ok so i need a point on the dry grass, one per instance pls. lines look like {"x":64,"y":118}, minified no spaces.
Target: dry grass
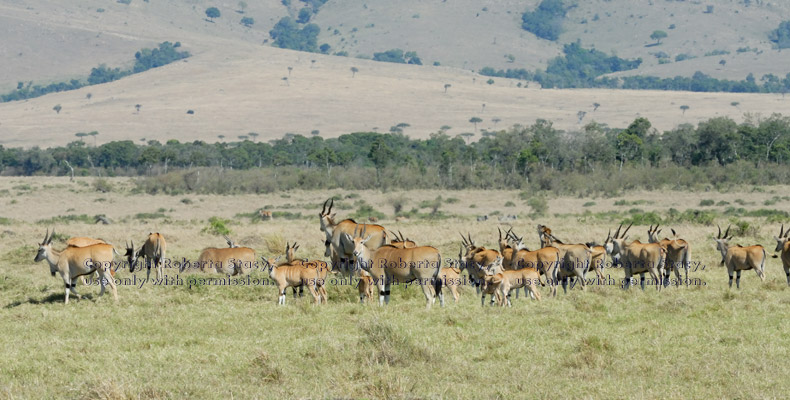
{"x":249,"y":95}
{"x":208,"y":341}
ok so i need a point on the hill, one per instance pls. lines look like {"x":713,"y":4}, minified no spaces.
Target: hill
{"x":235,"y":90}
{"x":46,"y":40}
{"x":234,"y":82}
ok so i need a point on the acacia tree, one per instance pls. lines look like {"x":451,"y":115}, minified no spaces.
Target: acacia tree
{"x":354,"y":71}
{"x":94,"y":134}
{"x":475,"y":120}
{"x":212,"y":12}
{"x":657,"y":36}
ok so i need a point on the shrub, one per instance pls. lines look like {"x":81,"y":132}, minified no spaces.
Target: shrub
{"x":216,"y":226}
{"x":643,"y":218}
{"x":145,"y":216}
{"x":539,"y":206}
{"x":365,"y":211}
{"x":706,"y":203}
{"x":397,"y":203}
{"x":102,"y":185}
{"x":546,"y":20}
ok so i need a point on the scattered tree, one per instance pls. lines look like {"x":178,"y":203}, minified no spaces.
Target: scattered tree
{"x":723,"y":62}
{"x":315,"y":132}
{"x":289,"y":70}
{"x":475,"y":120}
{"x":81,"y":135}
{"x":253,"y":135}
{"x":304,"y":15}
{"x":546,"y":20}
{"x":467,"y":136}
{"x":57,"y":108}
{"x":221,"y":137}
{"x":247,"y":21}
{"x":137,"y":107}
{"x":212,"y":12}
{"x":242,"y":7}
{"x":684,"y":108}
{"x":285,"y":78}
{"x":446,"y":86}
{"x":580,"y":115}
{"x":781,"y":35}
{"x":657,"y":36}
{"x":354,"y":71}
{"x":243,"y":137}
{"x":496,"y":120}
{"x":490,"y":81}
{"x":88,"y":96}
{"x":94,"y":134}
{"x":595,"y":106}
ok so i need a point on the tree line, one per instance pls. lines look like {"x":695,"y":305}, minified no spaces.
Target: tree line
{"x":583,"y":68}
{"x":538,"y":156}
{"x":145,"y":59}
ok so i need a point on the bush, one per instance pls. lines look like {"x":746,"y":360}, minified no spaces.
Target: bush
{"x":781,"y":35}
{"x":539,"y":206}
{"x":216,"y":226}
{"x":691,"y":216}
{"x":366,"y":211}
{"x":643,"y":218}
{"x":546,"y":20}
{"x":397,"y":203}
{"x":145,"y":216}
{"x":102,"y":185}
{"x":706,"y":203}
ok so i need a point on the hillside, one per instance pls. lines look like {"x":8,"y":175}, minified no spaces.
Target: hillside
{"x":235,"y":90}
{"x":234,"y":82}
{"x":47,"y":40}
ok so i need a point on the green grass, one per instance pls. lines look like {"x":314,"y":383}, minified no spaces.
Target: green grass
{"x":176,"y":342}
{"x":208,"y":341}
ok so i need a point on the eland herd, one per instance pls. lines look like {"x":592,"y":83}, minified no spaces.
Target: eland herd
{"x":376,"y":260}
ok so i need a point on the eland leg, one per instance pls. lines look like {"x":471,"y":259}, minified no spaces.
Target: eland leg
{"x":103,"y":275}
{"x":73,"y":289}
{"x":738,"y":279}
{"x":427,"y":290}
{"x":437,"y":286}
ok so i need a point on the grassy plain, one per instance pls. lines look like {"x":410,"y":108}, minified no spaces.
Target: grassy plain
{"x":235,"y":342}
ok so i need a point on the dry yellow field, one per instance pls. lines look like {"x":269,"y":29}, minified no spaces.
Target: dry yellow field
{"x":234,"y":91}
{"x":209,"y":341}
